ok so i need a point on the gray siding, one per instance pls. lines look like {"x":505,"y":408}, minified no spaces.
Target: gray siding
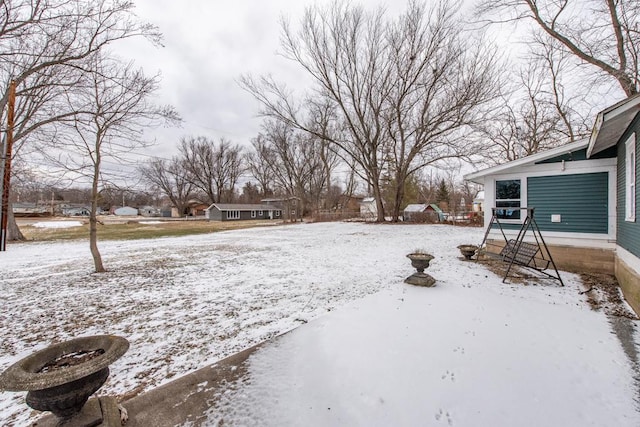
{"x":581,"y":199}
{"x":215,"y":214}
{"x":628,"y":232}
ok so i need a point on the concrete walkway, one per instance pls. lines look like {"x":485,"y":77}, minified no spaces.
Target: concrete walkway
{"x":186,"y":399}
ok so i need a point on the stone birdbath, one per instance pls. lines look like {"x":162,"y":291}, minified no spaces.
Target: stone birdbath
{"x":420,"y":261}
{"x":62,"y":377}
{"x":468,"y":251}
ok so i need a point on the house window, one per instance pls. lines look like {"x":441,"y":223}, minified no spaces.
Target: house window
{"x":508,"y":195}
{"x":277,"y":213}
{"x":233,"y":214}
{"x":293,"y":213}
{"x":253,"y":214}
{"x":630,"y":179}
{"x":260,"y":213}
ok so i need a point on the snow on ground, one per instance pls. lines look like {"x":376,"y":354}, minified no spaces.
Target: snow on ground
{"x":468,"y":352}
{"x":447,"y":352}
{"x":57,"y":224}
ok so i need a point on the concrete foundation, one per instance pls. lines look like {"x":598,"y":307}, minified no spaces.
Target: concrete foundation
{"x":629,"y":281}
{"x":574,"y":259}
{"x":594,"y":260}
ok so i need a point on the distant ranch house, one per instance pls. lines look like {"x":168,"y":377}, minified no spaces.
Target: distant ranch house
{"x":30,"y":209}
{"x":241,"y":212}
{"x":291,"y":207}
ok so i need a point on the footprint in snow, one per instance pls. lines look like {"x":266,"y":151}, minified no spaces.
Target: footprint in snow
{"x":442,"y":415}
{"x":450,"y":375}
{"x":459,"y":349}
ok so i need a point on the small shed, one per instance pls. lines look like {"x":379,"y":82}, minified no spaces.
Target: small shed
{"x":423,"y":212}
{"x":368,"y":208}
{"x":241,"y":212}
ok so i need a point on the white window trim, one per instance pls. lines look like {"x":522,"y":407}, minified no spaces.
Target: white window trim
{"x":630,"y":181}
{"x":277,"y":213}
{"x":253,"y":214}
{"x":523,"y":200}
{"x":233,"y":214}
{"x":260,"y":213}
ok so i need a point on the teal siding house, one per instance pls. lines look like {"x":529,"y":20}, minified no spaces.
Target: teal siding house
{"x":585,"y":198}
{"x":573,"y":196}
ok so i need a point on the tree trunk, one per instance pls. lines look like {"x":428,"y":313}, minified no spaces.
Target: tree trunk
{"x":93,"y":220}
{"x":13,"y":232}
{"x":379,"y":206}
{"x":397,"y":202}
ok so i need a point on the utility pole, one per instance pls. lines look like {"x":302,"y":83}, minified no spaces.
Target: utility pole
{"x":6,"y":178}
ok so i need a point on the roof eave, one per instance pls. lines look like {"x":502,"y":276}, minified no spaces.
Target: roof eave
{"x":478,"y":177}
{"x":619,"y":115}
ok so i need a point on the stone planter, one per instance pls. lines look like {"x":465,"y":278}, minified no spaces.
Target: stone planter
{"x":468,"y":251}
{"x":61,"y":377}
{"x":420,"y":261}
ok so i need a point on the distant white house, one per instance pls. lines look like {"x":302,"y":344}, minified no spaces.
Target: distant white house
{"x":478,"y":202}
{"x":368,"y":208}
{"x":126,"y":211}
{"x":149,"y":211}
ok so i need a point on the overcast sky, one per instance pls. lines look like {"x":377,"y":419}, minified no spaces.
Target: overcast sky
{"x":208,"y":45}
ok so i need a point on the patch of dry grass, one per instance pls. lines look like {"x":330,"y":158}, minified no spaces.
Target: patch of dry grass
{"x":134,"y":229}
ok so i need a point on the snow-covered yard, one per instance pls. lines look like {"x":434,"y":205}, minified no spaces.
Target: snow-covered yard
{"x":187,"y":302}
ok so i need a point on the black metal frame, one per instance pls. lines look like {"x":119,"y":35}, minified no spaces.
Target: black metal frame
{"x":517,"y":251}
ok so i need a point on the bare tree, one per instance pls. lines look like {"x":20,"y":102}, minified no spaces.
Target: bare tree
{"x":43,"y":48}
{"x":295,"y":161}
{"x":601,"y":33}
{"x":229,"y":166}
{"x":554,"y":63}
{"x":401,"y":93}
{"x":260,"y":164}
{"x":113,"y":106}
{"x":213,"y":168}
{"x":533,"y":115}
{"x":343,"y":49}
{"x":443,"y":87}
{"x":170,"y":178}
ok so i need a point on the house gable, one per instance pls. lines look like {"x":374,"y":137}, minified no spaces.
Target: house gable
{"x":612,"y":123}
